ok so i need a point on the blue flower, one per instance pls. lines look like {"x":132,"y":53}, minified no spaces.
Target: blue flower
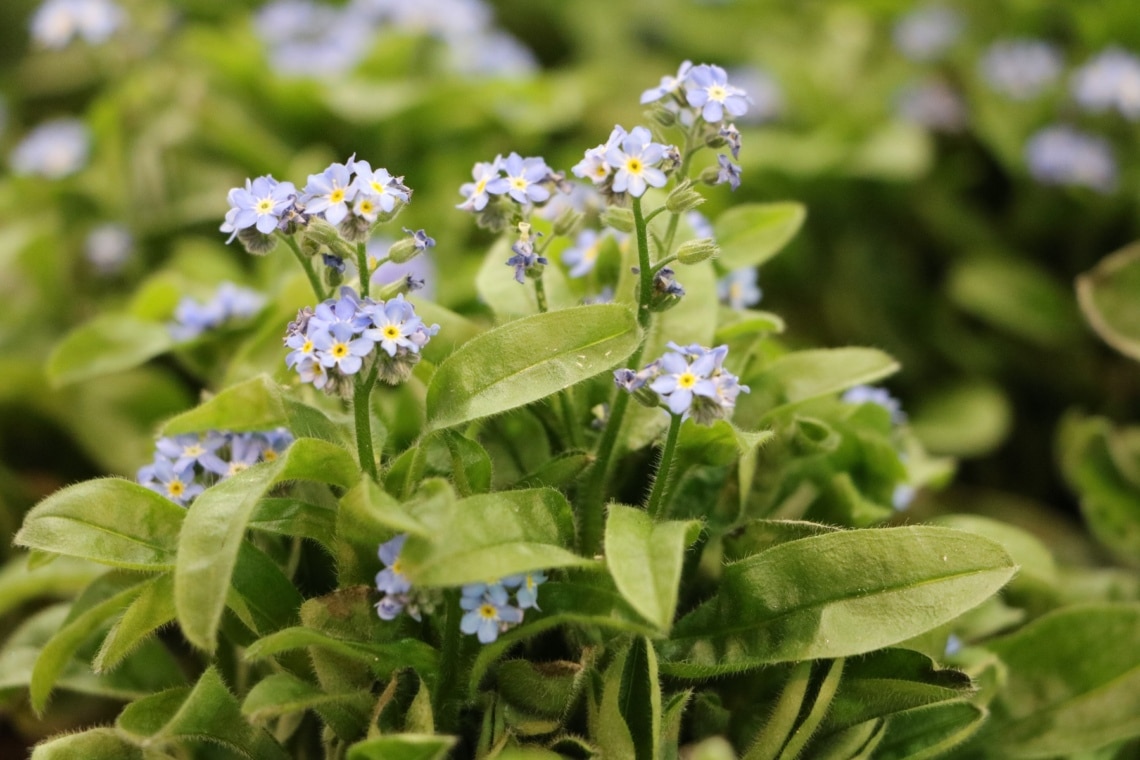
{"x":526,"y":585}
{"x":336,"y":348}
{"x":307,"y":39}
{"x":1021,"y":68}
{"x":391,"y":580}
{"x":902,"y":496}
{"x":418,"y":271}
{"x":665,"y":285}
{"x":379,"y":186}
{"x":932,"y":104}
{"x":488,"y":181}
{"x":185,"y":451}
{"x":926,"y":33}
{"x":162,"y":478}
{"x":1111,"y":80}
{"x":634,"y":160}
{"x":526,"y":177}
{"x":679,"y":379}
{"x":488,"y":612}
{"x":707,"y":88}
{"x":669,"y":85}
{"x":329,"y":193}
{"x":192,"y":318}
{"x":1061,"y":155}
{"x":583,"y":255}
{"x":731,"y":135}
{"x":53,"y":150}
{"x":525,"y":258}
{"x":261,"y":204}
{"x":766,"y":99}
{"x":57,"y":22}
{"x":394,"y":324}
{"x":739,"y":289}
{"x":594,"y":165}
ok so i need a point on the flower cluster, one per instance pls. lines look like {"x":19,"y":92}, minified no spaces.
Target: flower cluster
{"x":53,"y":150}
{"x":186,"y":465}
{"x":487,"y":606}
{"x":927,"y":32}
{"x":339,"y":339}
{"x":1061,"y":155}
{"x":1110,"y":81}
{"x":503,"y":191}
{"x":688,"y":380}
{"x":192,"y":317}
{"x":525,"y":260}
{"x":628,"y":163}
{"x":703,"y":95}
{"x":57,"y":22}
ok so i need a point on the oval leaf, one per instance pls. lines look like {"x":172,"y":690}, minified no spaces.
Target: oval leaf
{"x":255,"y":404}
{"x":645,"y":560}
{"x":107,"y":344}
{"x":752,"y":233}
{"x":529,"y":359}
{"x":110,"y":521}
{"x":492,"y":536}
{"x":835,"y":595}
{"x":1108,"y":298}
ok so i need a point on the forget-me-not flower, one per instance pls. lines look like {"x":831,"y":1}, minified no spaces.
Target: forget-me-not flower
{"x":707,"y":88}
{"x":261,"y":204}
{"x":926,"y":33}
{"x":634,"y":161}
{"x":57,"y":22}
{"x":487,"y":181}
{"x":329,"y":193}
{"x":739,"y":288}
{"x":689,"y":381}
{"x":53,"y":150}
{"x":1109,"y":81}
{"x":488,"y":611}
{"x":1061,"y":155}
{"x":108,"y":247}
{"x":1021,"y":68}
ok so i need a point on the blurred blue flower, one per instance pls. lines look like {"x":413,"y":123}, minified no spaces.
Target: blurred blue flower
{"x":1061,"y":155}
{"x":1021,"y":68}
{"x":766,"y":98}
{"x":53,"y":150}
{"x":108,"y":247}
{"x":162,"y":478}
{"x":57,"y":22}
{"x":488,"y":611}
{"x":192,"y":318}
{"x":526,"y":588}
{"x":669,"y":85}
{"x":1109,"y":81}
{"x":932,"y":104}
{"x":927,"y":32}
{"x":307,"y":39}
{"x":583,"y":255}
{"x":727,"y":172}
{"x":738,"y":289}
{"x":488,"y":181}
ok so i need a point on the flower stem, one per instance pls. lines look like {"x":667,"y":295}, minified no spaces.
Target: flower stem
{"x":314,"y":281}
{"x":646,"y":273}
{"x":361,"y":407}
{"x":540,"y":294}
{"x":362,"y":267}
{"x":446,"y":699}
{"x":661,"y":480}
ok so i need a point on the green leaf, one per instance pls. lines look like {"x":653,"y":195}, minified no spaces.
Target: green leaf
{"x":805,"y":375}
{"x":215,"y":527}
{"x":266,"y":594}
{"x":966,"y":420}
{"x":820,"y":704}
{"x":382,"y":657}
{"x":111,"y":521}
{"x":1034,"y":560}
{"x":64,"y":577}
{"x":546,"y":689}
{"x":150,"y":610}
{"x":454,"y":329}
{"x":102,"y":600}
{"x":206,"y":713}
{"x":282,"y":693}
{"x":559,"y":471}
{"x":94,"y":744}
{"x":606,"y":720}
{"x":752,"y":233}
{"x":745,"y":322}
{"x":835,"y":595}
{"x":293,"y":517}
{"x":253,"y":405}
{"x":105,"y":345}
{"x":493,"y":536}
{"x":719,"y":444}
{"x":930,"y":732}
{"x":1073,"y":682}
{"x":767,"y":743}
{"x":645,"y":560}
{"x":1108,"y":297}
{"x":529,"y":359}
{"x":1017,"y":296}
{"x":367,"y":517}
{"x":498,"y":288}
{"x":402,"y":747}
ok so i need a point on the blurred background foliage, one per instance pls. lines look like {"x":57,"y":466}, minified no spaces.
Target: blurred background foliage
{"x":934,"y":232}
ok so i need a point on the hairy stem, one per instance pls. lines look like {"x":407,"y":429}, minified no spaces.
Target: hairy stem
{"x":661,"y":480}
{"x":361,"y":407}
{"x":307,"y":265}
{"x":645,"y":272}
{"x":362,"y":266}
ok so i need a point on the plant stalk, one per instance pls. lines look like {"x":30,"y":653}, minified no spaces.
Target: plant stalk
{"x":362,"y":410}
{"x":661,"y":480}
{"x":307,"y":265}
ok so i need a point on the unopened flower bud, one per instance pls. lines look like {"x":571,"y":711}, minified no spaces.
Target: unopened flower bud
{"x":392,"y":289}
{"x":568,"y":222}
{"x":696,"y":251}
{"x":255,"y":242}
{"x":620,"y":219}
{"x":683,"y":198}
{"x":408,"y":248}
{"x":322,"y":233}
{"x":662,"y":115}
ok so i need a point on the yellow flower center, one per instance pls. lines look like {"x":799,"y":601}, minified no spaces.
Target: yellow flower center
{"x":634,"y":166}
{"x":377,"y":187}
{"x":391,"y":332}
{"x":336,"y":196}
{"x":340,"y":350}
{"x":686,"y":380}
{"x":236,"y":467}
{"x":307,"y":348}
{"x":488,"y":612}
{"x":519,"y":183}
{"x":735,"y":292}
{"x":480,"y":186}
{"x":269,"y":455}
{"x":193,"y":450}
{"x":591,"y":253}
{"x":717,"y":93}
{"x":366,"y":207}
{"x":175,"y":488}
{"x":265,"y":206}
{"x":602,"y":170}
{"x":398,"y":567}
